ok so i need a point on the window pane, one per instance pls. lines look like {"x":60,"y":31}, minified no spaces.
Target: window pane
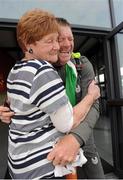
{"x":118,"y":10}
{"x":80,"y":12}
{"x":120,"y":49}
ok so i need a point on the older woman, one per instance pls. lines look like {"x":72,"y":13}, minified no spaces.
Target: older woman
{"x":42,"y":112}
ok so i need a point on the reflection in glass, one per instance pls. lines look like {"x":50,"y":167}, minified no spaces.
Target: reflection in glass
{"x":101,"y":77}
{"x":120,"y":49}
{"x":118,"y":10}
{"x":121,"y":71}
{"x":102,"y":130}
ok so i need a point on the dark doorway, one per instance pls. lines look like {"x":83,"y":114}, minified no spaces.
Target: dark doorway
{"x":93,"y":49}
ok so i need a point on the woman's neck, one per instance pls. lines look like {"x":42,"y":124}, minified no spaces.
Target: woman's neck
{"x":28,"y":56}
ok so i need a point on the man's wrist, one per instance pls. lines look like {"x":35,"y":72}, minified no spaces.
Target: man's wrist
{"x":78,"y":138}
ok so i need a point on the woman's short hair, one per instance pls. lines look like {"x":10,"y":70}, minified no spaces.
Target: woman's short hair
{"x":33,"y":25}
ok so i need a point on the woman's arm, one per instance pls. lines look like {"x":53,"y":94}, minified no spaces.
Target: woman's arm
{"x":66,"y":118}
{"x":81,"y":110}
{"x":5,"y":114}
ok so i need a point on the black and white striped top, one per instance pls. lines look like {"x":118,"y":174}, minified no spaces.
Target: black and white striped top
{"x":35,"y":91}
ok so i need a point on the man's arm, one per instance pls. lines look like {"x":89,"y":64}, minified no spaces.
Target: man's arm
{"x":83,"y":131}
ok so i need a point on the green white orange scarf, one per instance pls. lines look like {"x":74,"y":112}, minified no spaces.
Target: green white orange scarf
{"x":71,"y":80}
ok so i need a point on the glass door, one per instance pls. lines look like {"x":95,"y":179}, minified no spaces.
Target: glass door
{"x":113,"y":45}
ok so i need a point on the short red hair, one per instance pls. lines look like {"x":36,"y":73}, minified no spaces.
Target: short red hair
{"x":33,"y":25}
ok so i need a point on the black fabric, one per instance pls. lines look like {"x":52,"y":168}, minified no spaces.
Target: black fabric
{"x":7,"y":175}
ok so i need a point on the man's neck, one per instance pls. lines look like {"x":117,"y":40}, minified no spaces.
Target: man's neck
{"x":57,"y":65}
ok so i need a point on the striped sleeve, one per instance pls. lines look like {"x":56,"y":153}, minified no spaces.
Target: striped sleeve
{"x":47,"y":91}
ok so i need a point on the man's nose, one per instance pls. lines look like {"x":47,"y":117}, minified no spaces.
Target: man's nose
{"x":67,"y":42}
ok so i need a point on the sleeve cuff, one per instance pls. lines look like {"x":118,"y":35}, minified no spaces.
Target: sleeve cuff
{"x":78,"y":138}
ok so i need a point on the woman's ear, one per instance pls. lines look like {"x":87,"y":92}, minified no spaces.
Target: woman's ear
{"x":29,"y":48}
{"x":30,"y":51}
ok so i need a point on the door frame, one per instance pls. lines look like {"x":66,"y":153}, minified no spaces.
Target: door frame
{"x":115,"y":102}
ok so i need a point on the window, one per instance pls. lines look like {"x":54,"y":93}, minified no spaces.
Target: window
{"x":80,"y":12}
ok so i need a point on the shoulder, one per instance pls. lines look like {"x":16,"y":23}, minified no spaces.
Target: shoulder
{"x":38,"y":63}
{"x":87,"y":68}
{"x":82,"y":63}
{"x":85,"y":61}
{"x":84,"y":67}
{"x":39,"y":66}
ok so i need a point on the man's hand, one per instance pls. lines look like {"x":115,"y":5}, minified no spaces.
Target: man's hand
{"x":5,"y":114}
{"x":65,"y":150}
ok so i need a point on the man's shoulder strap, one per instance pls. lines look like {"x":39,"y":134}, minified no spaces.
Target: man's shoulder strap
{"x":78,"y":61}
{"x":76,"y":55}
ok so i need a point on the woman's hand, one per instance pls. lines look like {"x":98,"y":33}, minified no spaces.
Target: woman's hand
{"x":94,"y":90}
